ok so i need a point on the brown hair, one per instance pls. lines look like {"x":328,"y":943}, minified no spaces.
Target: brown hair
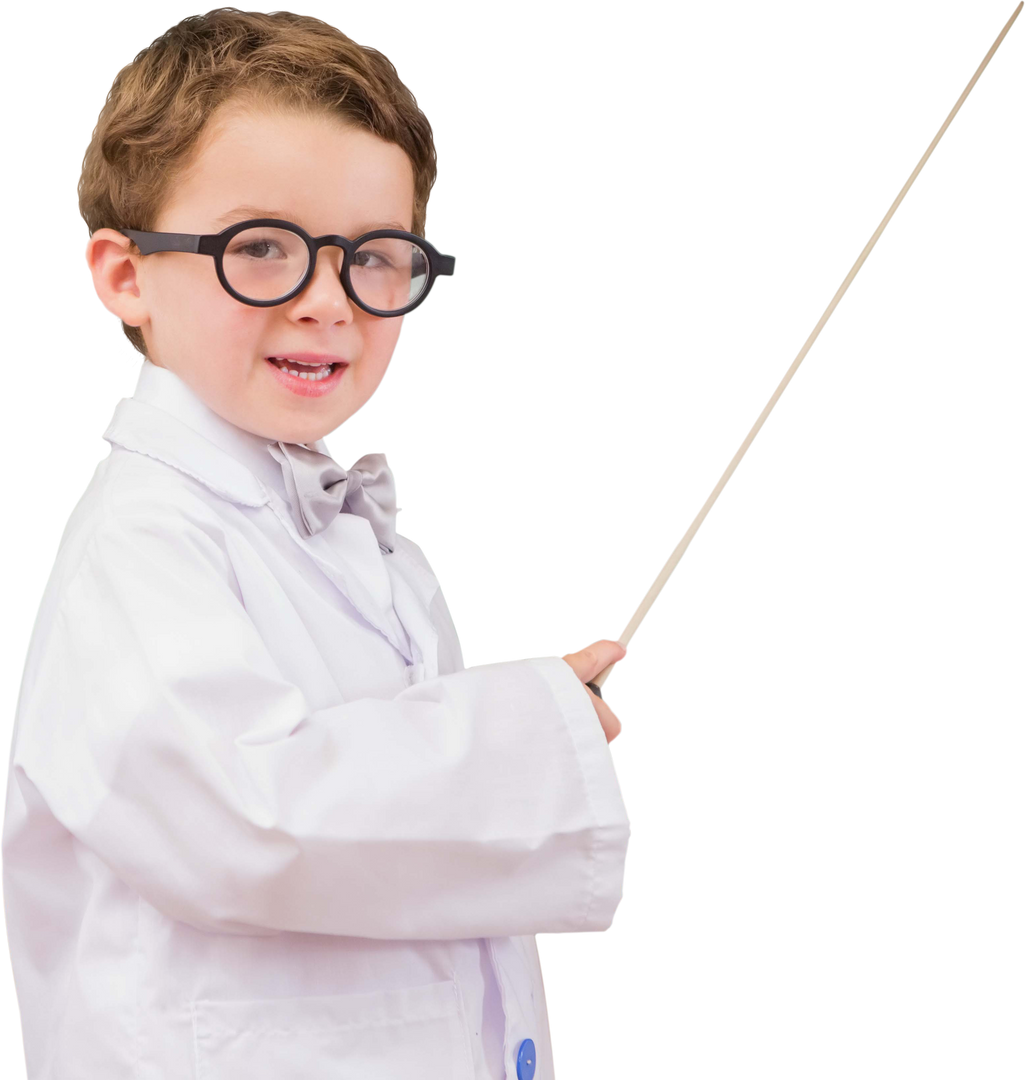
{"x":159,"y":104}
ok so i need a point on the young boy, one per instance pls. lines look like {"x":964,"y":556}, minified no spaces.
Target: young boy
{"x":261,"y":822}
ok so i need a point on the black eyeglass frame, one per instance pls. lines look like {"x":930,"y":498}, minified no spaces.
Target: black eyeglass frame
{"x":215,"y":244}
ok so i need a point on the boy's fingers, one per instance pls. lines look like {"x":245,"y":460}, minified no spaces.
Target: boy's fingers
{"x":611,"y":724}
{"x":603,"y":653}
{"x":595,"y":657}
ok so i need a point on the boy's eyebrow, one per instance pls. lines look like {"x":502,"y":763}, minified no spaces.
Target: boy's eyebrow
{"x":244,"y":213}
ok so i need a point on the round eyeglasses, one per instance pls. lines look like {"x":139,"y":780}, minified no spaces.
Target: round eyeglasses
{"x":267,"y":261}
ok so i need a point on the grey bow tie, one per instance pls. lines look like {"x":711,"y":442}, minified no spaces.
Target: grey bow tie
{"x":319,"y":489}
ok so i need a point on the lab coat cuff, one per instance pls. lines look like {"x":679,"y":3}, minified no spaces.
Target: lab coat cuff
{"x":611,"y":824}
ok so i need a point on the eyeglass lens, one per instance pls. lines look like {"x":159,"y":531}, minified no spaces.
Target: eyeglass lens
{"x":265,"y":263}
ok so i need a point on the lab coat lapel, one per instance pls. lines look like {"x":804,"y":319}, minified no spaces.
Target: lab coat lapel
{"x":412,"y":591}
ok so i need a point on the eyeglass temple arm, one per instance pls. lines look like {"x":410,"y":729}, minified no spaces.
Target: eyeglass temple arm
{"x":149,"y":242}
{"x":445,"y":264}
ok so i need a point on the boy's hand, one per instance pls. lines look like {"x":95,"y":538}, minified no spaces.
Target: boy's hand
{"x":586,"y":664}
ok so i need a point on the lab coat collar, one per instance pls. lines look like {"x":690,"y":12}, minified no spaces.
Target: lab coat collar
{"x":165,"y":390}
{"x":167,"y":420}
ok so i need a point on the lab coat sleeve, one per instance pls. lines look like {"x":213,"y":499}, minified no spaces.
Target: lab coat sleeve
{"x":161,"y":733}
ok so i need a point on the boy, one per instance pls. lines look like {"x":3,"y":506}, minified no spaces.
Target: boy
{"x":261,"y":822}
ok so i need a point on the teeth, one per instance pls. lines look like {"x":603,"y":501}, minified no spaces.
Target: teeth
{"x":311,"y":376}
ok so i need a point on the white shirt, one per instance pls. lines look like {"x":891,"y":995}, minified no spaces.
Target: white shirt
{"x":261,"y":823}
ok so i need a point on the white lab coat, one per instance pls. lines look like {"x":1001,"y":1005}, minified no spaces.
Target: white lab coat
{"x":261,"y":823}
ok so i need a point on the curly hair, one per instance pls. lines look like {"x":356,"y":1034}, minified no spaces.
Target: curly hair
{"x":158,"y":105}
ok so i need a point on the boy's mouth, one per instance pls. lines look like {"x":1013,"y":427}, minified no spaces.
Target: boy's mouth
{"x":309,"y":375}
{"x":312,"y":370}
{"x":301,"y":365}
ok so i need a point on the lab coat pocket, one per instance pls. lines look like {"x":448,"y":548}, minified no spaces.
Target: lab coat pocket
{"x":413,"y":1033}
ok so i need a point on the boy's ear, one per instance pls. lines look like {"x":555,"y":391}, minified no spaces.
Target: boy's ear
{"x":114,"y":269}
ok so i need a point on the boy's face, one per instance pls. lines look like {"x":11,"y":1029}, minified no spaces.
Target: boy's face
{"x":317,"y":172}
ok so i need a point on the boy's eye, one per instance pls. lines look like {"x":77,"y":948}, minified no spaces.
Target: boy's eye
{"x":259,"y":249}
